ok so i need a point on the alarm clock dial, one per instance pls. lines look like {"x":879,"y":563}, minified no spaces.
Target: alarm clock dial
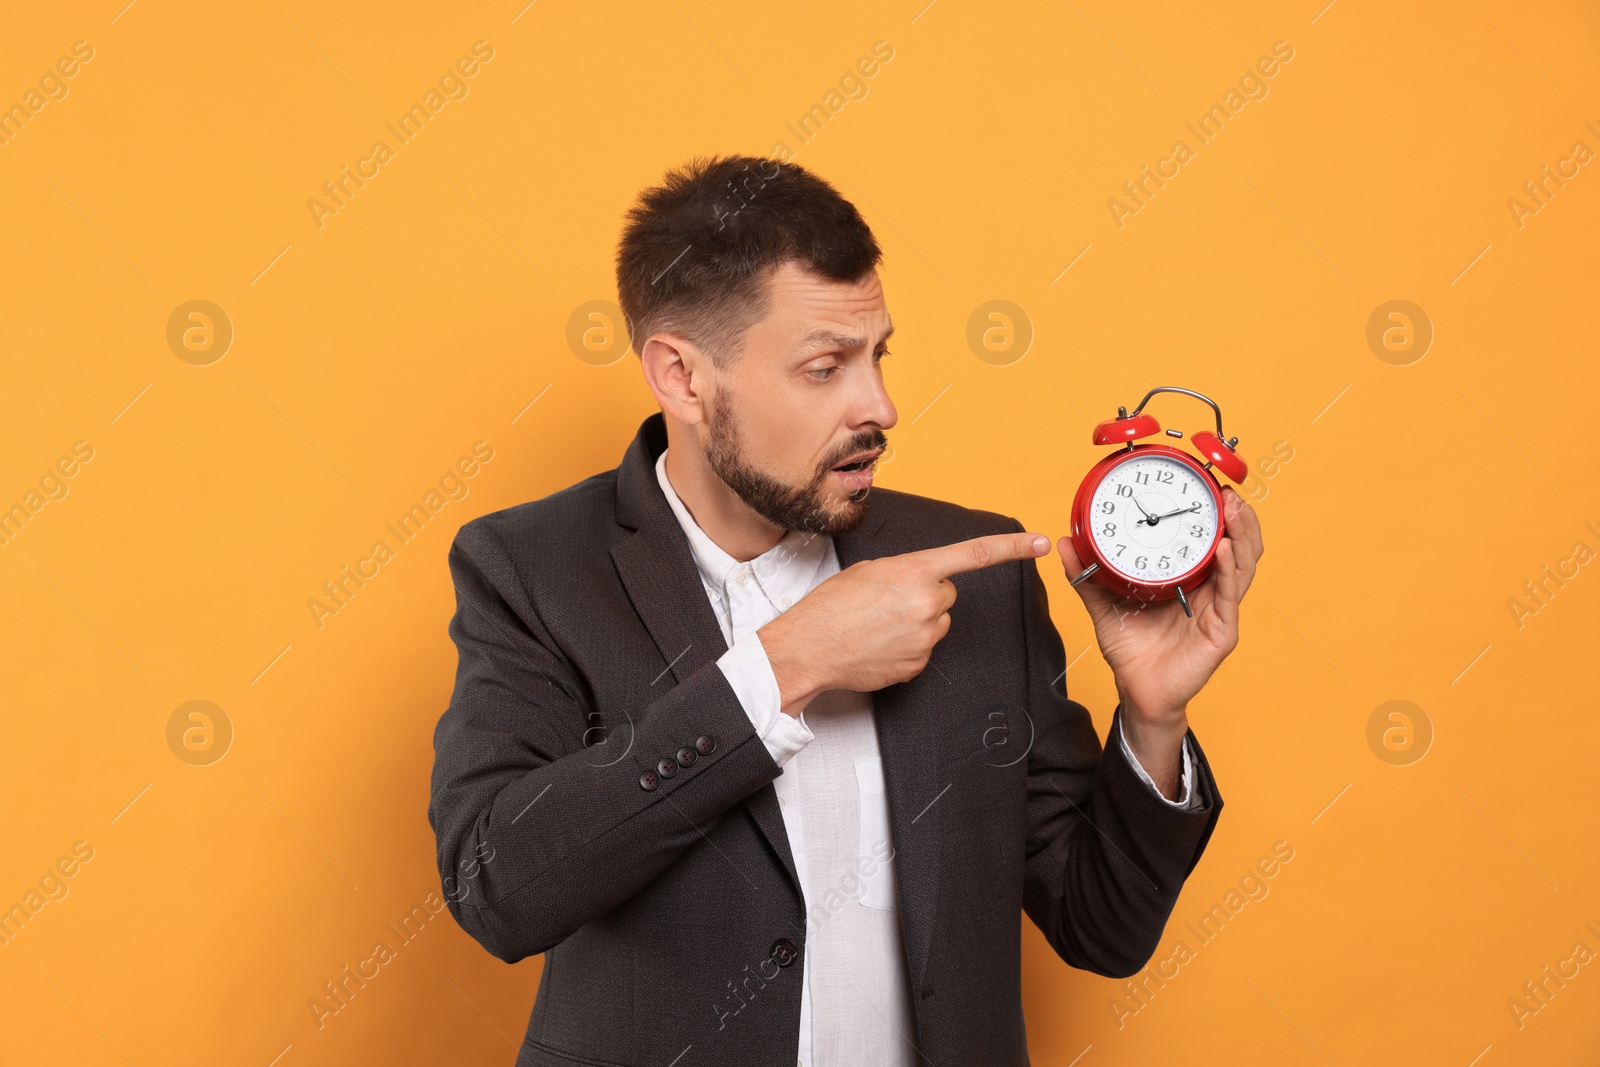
{"x":1153,"y":518}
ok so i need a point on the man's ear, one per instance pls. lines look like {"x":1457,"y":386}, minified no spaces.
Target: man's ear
{"x":679,"y":376}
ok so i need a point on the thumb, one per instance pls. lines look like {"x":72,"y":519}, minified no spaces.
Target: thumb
{"x":1096,"y":597}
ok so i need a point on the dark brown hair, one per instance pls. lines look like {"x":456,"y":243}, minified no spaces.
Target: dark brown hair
{"x":697,"y":249}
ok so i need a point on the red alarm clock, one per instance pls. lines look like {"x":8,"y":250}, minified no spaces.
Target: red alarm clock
{"x":1147,"y":519}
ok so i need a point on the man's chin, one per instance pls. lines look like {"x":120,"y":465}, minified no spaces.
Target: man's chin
{"x":845,"y":513}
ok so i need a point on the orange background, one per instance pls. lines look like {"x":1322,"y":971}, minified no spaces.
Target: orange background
{"x":432,"y":311}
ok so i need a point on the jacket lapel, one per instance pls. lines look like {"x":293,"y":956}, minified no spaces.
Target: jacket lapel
{"x":657,"y":568}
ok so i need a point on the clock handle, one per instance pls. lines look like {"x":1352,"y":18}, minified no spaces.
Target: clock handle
{"x":1218,"y":450}
{"x":1187,"y":392}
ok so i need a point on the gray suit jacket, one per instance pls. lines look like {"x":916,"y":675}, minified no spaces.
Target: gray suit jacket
{"x":667,"y":906}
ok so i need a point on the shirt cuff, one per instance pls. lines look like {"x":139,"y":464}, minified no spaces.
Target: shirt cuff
{"x":749,"y":672}
{"x":1188,"y":801}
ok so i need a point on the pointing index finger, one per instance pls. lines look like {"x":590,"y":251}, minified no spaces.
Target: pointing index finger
{"x":980,"y":552}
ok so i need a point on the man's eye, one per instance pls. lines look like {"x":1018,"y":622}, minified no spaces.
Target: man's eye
{"x":827,"y":371}
{"x":880,"y":355}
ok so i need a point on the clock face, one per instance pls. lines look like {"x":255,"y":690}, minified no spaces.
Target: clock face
{"x":1153,"y":518}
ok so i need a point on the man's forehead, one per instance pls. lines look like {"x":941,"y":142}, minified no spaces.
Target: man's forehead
{"x":822,"y":313}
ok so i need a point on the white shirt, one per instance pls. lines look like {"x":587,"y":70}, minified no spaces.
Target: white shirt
{"x":815,"y":789}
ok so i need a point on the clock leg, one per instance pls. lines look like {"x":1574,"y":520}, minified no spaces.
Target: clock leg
{"x":1185,"y":602}
{"x":1090,"y":569}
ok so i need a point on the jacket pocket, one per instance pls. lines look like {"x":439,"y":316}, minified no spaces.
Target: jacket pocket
{"x":874,"y":847}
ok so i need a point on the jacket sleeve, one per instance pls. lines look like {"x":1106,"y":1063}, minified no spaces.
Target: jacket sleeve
{"x":538,"y":829}
{"x":1106,"y":855}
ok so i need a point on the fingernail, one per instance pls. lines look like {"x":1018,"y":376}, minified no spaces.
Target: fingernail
{"x":1041,"y":544}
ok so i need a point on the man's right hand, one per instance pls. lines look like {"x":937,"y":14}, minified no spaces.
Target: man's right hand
{"x":875,"y":623}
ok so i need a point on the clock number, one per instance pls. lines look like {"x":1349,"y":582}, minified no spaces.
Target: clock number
{"x":1143,"y":477}
{"x":1121,"y":549}
{"x":1165,"y":563}
{"x":1164,"y":476}
{"x":1141,"y":562}
{"x":1183,"y":551}
{"x":1110,"y":529}
{"x":1108,"y":508}
{"x":1124,"y":490}
{"x":1197,"y":531}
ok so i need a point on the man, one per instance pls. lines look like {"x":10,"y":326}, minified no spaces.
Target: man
{"x":765,"y":762}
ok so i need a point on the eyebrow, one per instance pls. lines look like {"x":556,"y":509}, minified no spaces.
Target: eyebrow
{"x":828,"y":341}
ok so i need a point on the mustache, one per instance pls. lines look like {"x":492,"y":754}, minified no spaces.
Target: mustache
{"x":867,"y":442}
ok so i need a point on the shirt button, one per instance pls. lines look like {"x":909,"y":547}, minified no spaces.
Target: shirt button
{"x":743,"y":578}
{"x":784,"y":602}
{"x":781,"y":804}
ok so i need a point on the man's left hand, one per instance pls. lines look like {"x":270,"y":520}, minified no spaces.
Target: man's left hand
{"x":1160,"y":657}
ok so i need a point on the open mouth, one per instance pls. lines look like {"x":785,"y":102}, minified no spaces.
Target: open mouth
{"x":861,"y":463}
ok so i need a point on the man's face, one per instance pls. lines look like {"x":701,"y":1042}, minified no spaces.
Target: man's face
{"x":805,"y":397}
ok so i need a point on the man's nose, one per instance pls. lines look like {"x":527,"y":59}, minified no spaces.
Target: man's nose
{"x":875,"y":407}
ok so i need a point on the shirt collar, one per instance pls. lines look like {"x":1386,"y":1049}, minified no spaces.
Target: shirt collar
{"x":787,"y":569}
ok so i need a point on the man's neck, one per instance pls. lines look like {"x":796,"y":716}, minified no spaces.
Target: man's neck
{"x":728,"y":521}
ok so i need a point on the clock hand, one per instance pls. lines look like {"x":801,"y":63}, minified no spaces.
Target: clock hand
{"x":1147,"y":519}
{"x":1192,"y":507}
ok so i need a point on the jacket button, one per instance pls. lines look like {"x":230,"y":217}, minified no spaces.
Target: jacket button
{"x":648,"y":780}
{"x":705,"y":744}
{"x":784,"y":951}
{"x":667,"y":767}
{"x":687,"y":756}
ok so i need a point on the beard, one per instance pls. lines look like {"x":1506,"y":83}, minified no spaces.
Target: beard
{"x":787,"y":507}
